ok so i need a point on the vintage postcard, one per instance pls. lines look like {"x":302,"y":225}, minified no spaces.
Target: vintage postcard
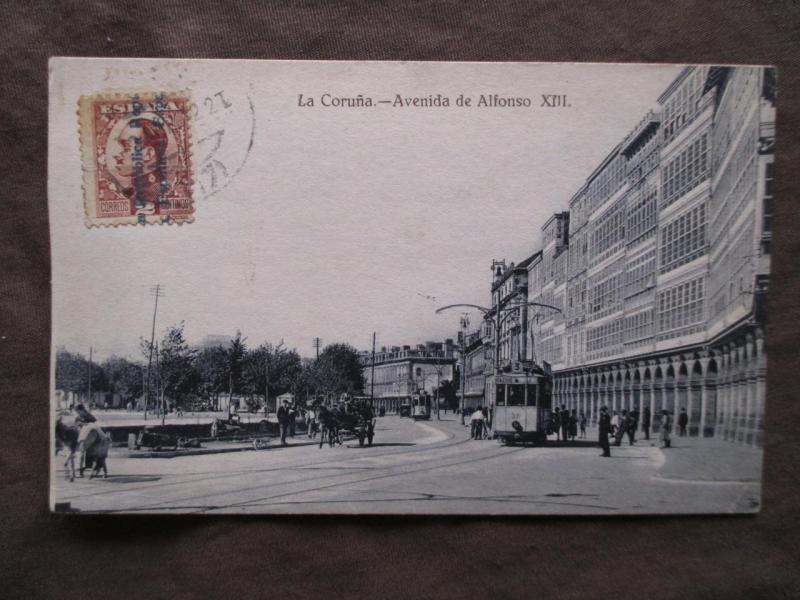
{"x":408,"y":287}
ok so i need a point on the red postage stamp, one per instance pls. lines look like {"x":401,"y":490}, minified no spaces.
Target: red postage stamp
{"x":136,"y":151}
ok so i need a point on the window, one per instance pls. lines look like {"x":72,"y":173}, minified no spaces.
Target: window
{"x":516,"y":395}
{"x":642,"y":205}
{"x":640,"y":274}
{"x":683,"y":239}
{"x":685,"y":171}
{"x":500,"y":398}
{"x":680,"y":309}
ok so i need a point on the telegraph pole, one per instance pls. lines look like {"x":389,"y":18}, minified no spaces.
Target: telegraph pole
{"x":157,"y":292}
{"x":89,"y":401}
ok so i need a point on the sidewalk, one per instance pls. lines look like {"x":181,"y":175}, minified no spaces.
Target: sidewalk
{"x":701,"y":459}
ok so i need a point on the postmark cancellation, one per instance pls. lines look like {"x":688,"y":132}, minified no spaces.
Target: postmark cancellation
{"x":136,"y":158}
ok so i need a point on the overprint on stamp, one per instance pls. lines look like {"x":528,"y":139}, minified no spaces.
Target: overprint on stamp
{"x":136,"y":156}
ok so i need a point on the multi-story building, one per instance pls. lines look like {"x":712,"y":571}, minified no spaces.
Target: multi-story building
{"x":660,"y":267}
{"x":505,"y":327}
{"x":474,"y":365}
{"x":402,"y":371}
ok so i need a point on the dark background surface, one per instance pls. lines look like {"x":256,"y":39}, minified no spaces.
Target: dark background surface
{"x":44,"y":555}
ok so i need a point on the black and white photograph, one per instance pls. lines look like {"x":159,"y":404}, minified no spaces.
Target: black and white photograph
{"x":310,"y":287}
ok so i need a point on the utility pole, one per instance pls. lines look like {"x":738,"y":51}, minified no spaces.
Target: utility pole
{"x":372,"y":376}
{"x":89,"y":401}
{"x":157,"y":292}
{"x":160,"y":389}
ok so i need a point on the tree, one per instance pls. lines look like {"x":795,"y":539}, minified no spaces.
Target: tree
{"x":339,"y":370}
{"x":270,"y":371}
{"x":124,"y":378}
{"x":236,"y":354}
{"x":178,"y":374}
{"x":73,"y":372}
{"x":449,"y":391}
{"x":213,"y":372}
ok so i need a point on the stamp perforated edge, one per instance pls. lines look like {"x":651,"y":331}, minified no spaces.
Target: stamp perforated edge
{"x":86,"y":141}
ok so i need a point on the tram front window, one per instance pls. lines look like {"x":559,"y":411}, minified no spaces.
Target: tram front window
{"x":516,"y":395}
{"x":500,"y":398}
{"x":532,"y":395}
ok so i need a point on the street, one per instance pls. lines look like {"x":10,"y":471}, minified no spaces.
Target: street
{"x":428,"y":467}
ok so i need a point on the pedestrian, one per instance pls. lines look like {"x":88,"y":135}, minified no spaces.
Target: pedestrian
{"x":283,"y":420}
{"x":311,"y":422}
{"x":486,"y":423}
{"x":476,"y":424}
{"x":666,"y":429}
{"x":614,"y":423}
{"x":604,"y":422}
{"x":633,"y":425}
{"x":683,"y":420}
{"x":582,"y":422}
{"x":557,"y":423}
{"x":621,"y":428}
{"x":646,"y":422}
{"x":573,"y":425}
{"x":292,"y":419}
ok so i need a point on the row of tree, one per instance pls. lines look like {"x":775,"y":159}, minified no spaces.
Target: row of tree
{"x":172,"y":370}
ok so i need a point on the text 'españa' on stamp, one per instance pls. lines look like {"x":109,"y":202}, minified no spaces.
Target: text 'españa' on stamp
{"x":136,"y":153}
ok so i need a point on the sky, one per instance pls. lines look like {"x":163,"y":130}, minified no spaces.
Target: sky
{"x":332,"y":223}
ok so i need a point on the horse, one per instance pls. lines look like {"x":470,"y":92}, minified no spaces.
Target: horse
{"x":329,"y":426}
{"x":67,"y":436}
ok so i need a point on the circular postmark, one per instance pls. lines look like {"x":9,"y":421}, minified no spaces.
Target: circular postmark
{"x":224,"y":125}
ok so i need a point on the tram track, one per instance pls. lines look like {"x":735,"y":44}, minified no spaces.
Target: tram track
{"x":190,"y":504}
{"x":339,"y":460}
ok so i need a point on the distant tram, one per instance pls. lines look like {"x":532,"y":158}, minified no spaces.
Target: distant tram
{"x":420,"y":406}
{"x":522,"y":404}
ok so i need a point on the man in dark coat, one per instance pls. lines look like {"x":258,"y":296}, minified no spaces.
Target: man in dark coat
{"x":633,"y":425}
{"x":646,"y":422}
{"x":683,"y":420}
{"x":283,"y":421}
{"x":604,"y":423}
{"x":564,"y":423}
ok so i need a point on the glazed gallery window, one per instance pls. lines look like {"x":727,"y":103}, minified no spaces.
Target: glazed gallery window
{"x":642,"y":205}
{"x":602,"y":340}
{"x":640,"y":273}
{"x":685,"y":171}
{"x":609,"y":232}
{"x":683,"y":239}
{"x":680,"y":307}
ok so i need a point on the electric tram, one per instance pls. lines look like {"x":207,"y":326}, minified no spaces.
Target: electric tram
{"x":420,"y":406}
{"x":521,"y":406}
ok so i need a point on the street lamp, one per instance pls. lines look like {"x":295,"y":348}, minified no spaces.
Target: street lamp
{"x":498,"y":316}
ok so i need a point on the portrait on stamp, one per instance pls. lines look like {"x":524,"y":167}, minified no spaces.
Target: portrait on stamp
{"x":136,"y":158}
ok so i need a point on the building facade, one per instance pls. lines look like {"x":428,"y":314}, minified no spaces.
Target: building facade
{"x":402,"y":371}
{"x":659,"y":269}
